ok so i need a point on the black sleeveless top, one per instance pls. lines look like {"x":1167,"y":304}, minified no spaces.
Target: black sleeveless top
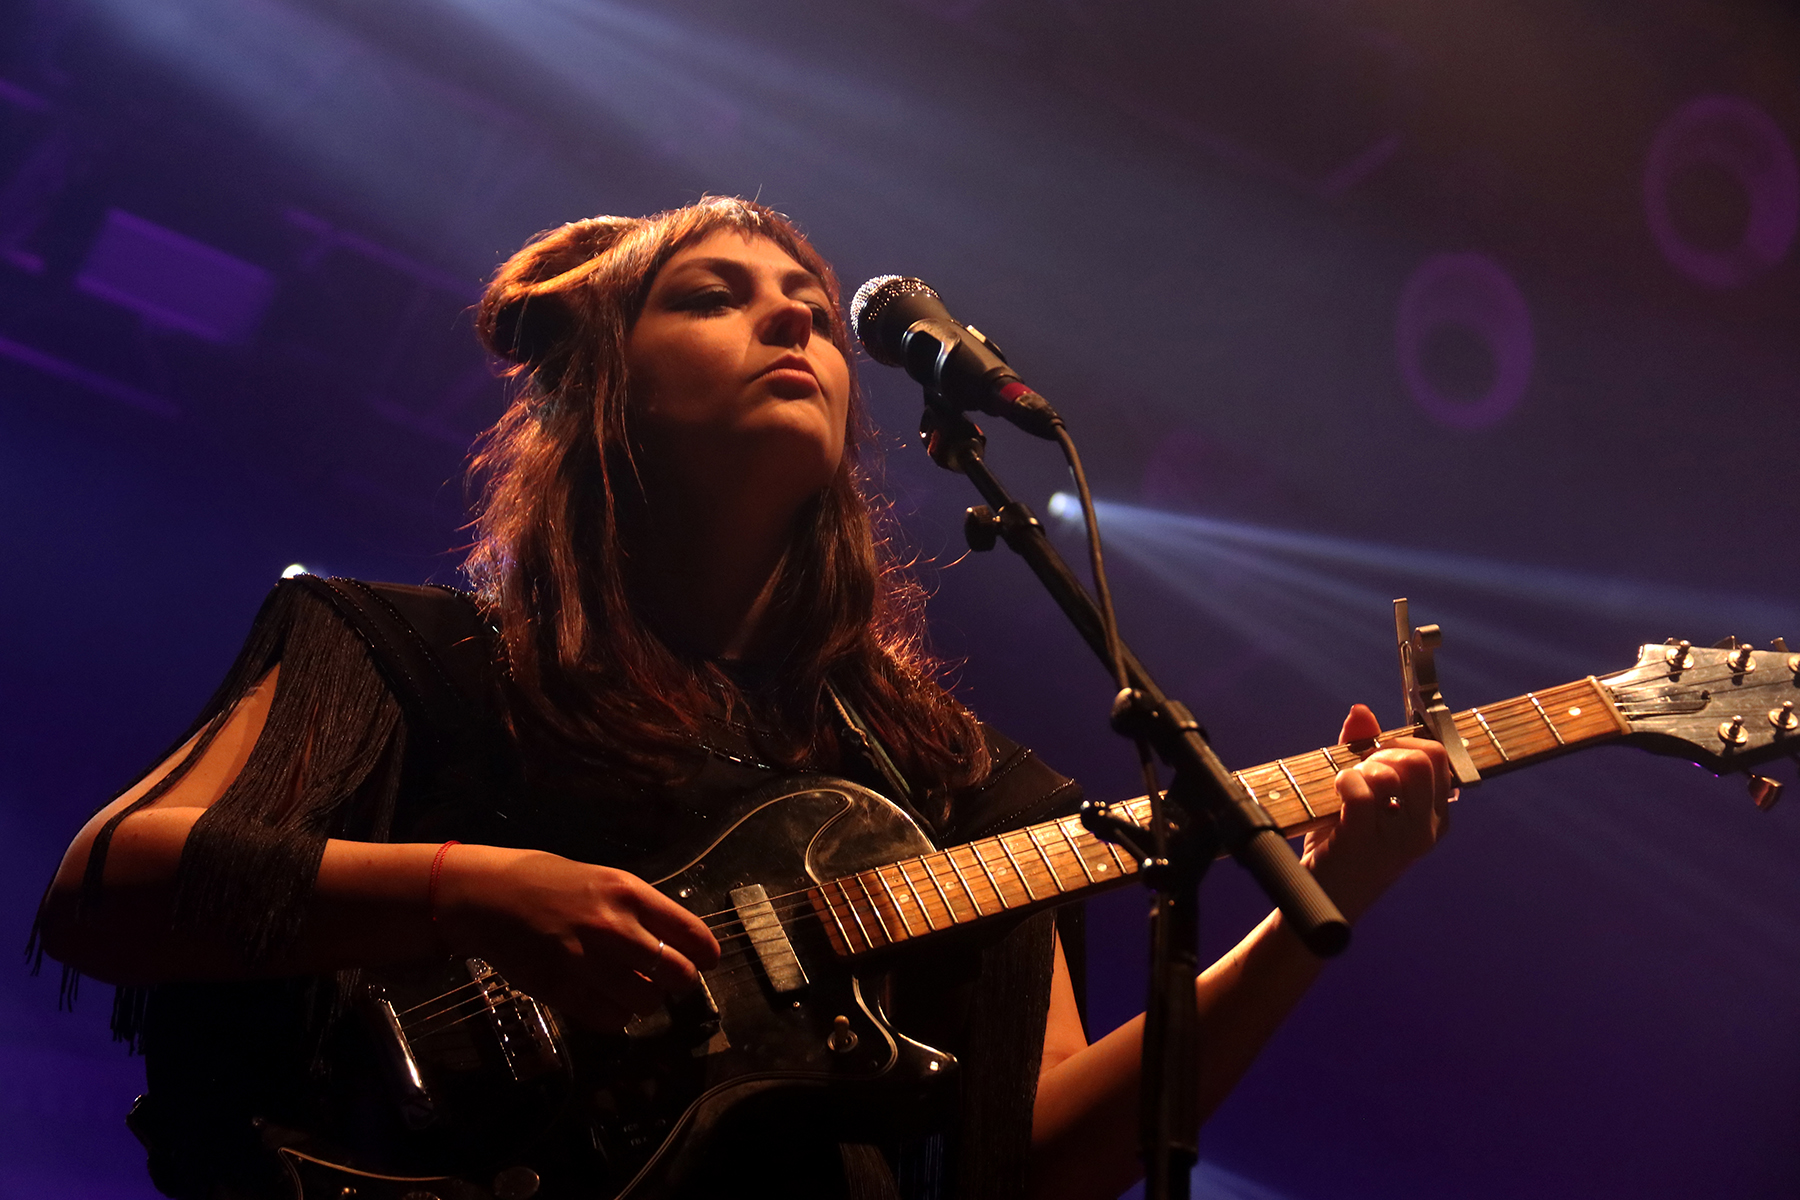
{"x":393,"y":694}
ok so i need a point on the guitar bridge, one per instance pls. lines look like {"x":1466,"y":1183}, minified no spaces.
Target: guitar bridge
{"x":530,"y":1041}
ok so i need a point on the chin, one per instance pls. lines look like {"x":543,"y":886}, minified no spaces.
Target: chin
{"x":803,"y":448}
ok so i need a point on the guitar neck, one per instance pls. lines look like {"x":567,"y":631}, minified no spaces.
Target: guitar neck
{"x":1058,"y":861}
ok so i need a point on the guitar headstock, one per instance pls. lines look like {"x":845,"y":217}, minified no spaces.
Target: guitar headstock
{"x":1727,"y":707}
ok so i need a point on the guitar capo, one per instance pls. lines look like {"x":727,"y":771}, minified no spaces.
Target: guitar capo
{"x":1424,"y":704}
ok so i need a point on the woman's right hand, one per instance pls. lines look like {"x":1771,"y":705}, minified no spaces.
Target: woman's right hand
{"x":599,"y":945}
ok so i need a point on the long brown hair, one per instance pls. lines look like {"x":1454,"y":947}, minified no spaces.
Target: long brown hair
{"x":593,"y":686}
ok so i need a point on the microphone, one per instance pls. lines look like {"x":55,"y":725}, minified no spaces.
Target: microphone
{"x":902,"y":323}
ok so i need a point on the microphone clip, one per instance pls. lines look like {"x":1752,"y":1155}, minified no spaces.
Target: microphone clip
{"x":949,"y":436}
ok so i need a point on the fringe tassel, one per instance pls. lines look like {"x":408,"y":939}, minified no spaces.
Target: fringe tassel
{"x":130,"y":1005}
{"x":333,"y":743}
{"x":250,"y":861}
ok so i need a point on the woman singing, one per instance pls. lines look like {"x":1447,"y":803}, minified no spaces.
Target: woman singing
{"x":679,"y":600}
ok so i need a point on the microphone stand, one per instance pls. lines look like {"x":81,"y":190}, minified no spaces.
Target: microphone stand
{"x":1212,"y":813}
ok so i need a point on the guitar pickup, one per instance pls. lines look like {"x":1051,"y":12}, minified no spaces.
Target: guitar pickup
{"x":768,"y":939}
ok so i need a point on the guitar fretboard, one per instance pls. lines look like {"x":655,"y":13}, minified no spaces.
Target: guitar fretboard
{"x":1041,"y":865}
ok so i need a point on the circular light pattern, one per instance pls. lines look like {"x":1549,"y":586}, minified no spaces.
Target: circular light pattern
{"x":1468,"y":298}
{"x":1732,"y":135}
{"x":293,"y":569}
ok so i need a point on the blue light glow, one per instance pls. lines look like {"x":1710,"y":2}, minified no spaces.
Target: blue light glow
{"x":1319,"y":602}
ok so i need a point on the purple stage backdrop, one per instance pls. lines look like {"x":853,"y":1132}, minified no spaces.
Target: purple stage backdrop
{"x":1494,"y":305}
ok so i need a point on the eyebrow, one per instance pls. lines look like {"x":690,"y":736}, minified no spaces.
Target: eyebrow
{"x":721,"y":266}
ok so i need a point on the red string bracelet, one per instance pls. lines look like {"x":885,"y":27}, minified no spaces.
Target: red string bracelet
{"x":437,"y":869}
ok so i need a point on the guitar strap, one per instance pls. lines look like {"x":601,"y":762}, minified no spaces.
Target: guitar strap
{"x":900,"y":790}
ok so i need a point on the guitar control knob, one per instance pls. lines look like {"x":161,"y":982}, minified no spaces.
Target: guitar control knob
{"x":1740,"y":660}
{"x":1785,"y":719}
{"x":843,"y":1038}
{"x":1680,"y":655}
{"x":1732,"y":732}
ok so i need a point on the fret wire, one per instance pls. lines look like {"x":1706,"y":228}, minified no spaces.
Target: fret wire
{"x":1055,"y":880}
{"x":1489,"y":730}
{"x":1547,"y":721}
{"x":1023,"y":882}
{"x":863,"y":883}
{"x":1299,"y":791}
{"x":837,"y":914}
{"x":1325,"y":775}
{"x":923,"y":908}
{"x":1315,"y":770}
{"x":964,"y":880}
{"x":924,"y":861}
{"x":1080,"y":858}
{"x":981,"y":861}
{"x":843,"y":934}
{"x":905,"y":925}
{"x":1131,"y":810}
{"x":868,"y":942}
{"x":1524,"y":724}
{"x":1330,"y":759}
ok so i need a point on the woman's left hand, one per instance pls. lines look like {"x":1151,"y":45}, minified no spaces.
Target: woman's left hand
{"x":1396,"y":807}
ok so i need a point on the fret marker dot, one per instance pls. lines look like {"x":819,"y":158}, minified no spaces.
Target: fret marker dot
{"x":1574,"y":712}
{"x":1275,"y":795}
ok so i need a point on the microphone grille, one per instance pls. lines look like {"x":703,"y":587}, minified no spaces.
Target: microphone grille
{"x":874,"y":298}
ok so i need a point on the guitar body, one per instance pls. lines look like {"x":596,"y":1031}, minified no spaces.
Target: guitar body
{"x":483,"y":1095}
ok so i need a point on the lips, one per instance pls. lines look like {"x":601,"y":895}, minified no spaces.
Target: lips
{"x":791,"y":377}
{"x":791,"y":362}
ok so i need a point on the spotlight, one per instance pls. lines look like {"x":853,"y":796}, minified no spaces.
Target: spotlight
{"x":1064,"y":506}
{"x":294,"y":569}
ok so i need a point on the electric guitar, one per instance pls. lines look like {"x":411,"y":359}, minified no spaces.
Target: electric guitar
{"x":812,"y":889}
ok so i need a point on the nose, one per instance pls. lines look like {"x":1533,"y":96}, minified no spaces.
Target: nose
{"x":789,"y":323}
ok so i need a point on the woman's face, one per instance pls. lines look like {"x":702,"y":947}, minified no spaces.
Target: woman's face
{"x":735,"y":387}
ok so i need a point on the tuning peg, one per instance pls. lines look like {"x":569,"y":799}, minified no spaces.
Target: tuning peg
{"x":1740,"y":658}
{"x":1779,"y":646}
{"x":1728,"y":642}
{"x":1784,"y":719}
{"x":1732,"y":732}
{"x":1680,"y":655}
{"x":1764,"y":791}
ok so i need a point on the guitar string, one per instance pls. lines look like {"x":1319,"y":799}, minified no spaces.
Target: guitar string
{"x":1309,"y":768}
{"x":1312,"y":770}
{"x":480,"y":990}
{"x":473,"y":983}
